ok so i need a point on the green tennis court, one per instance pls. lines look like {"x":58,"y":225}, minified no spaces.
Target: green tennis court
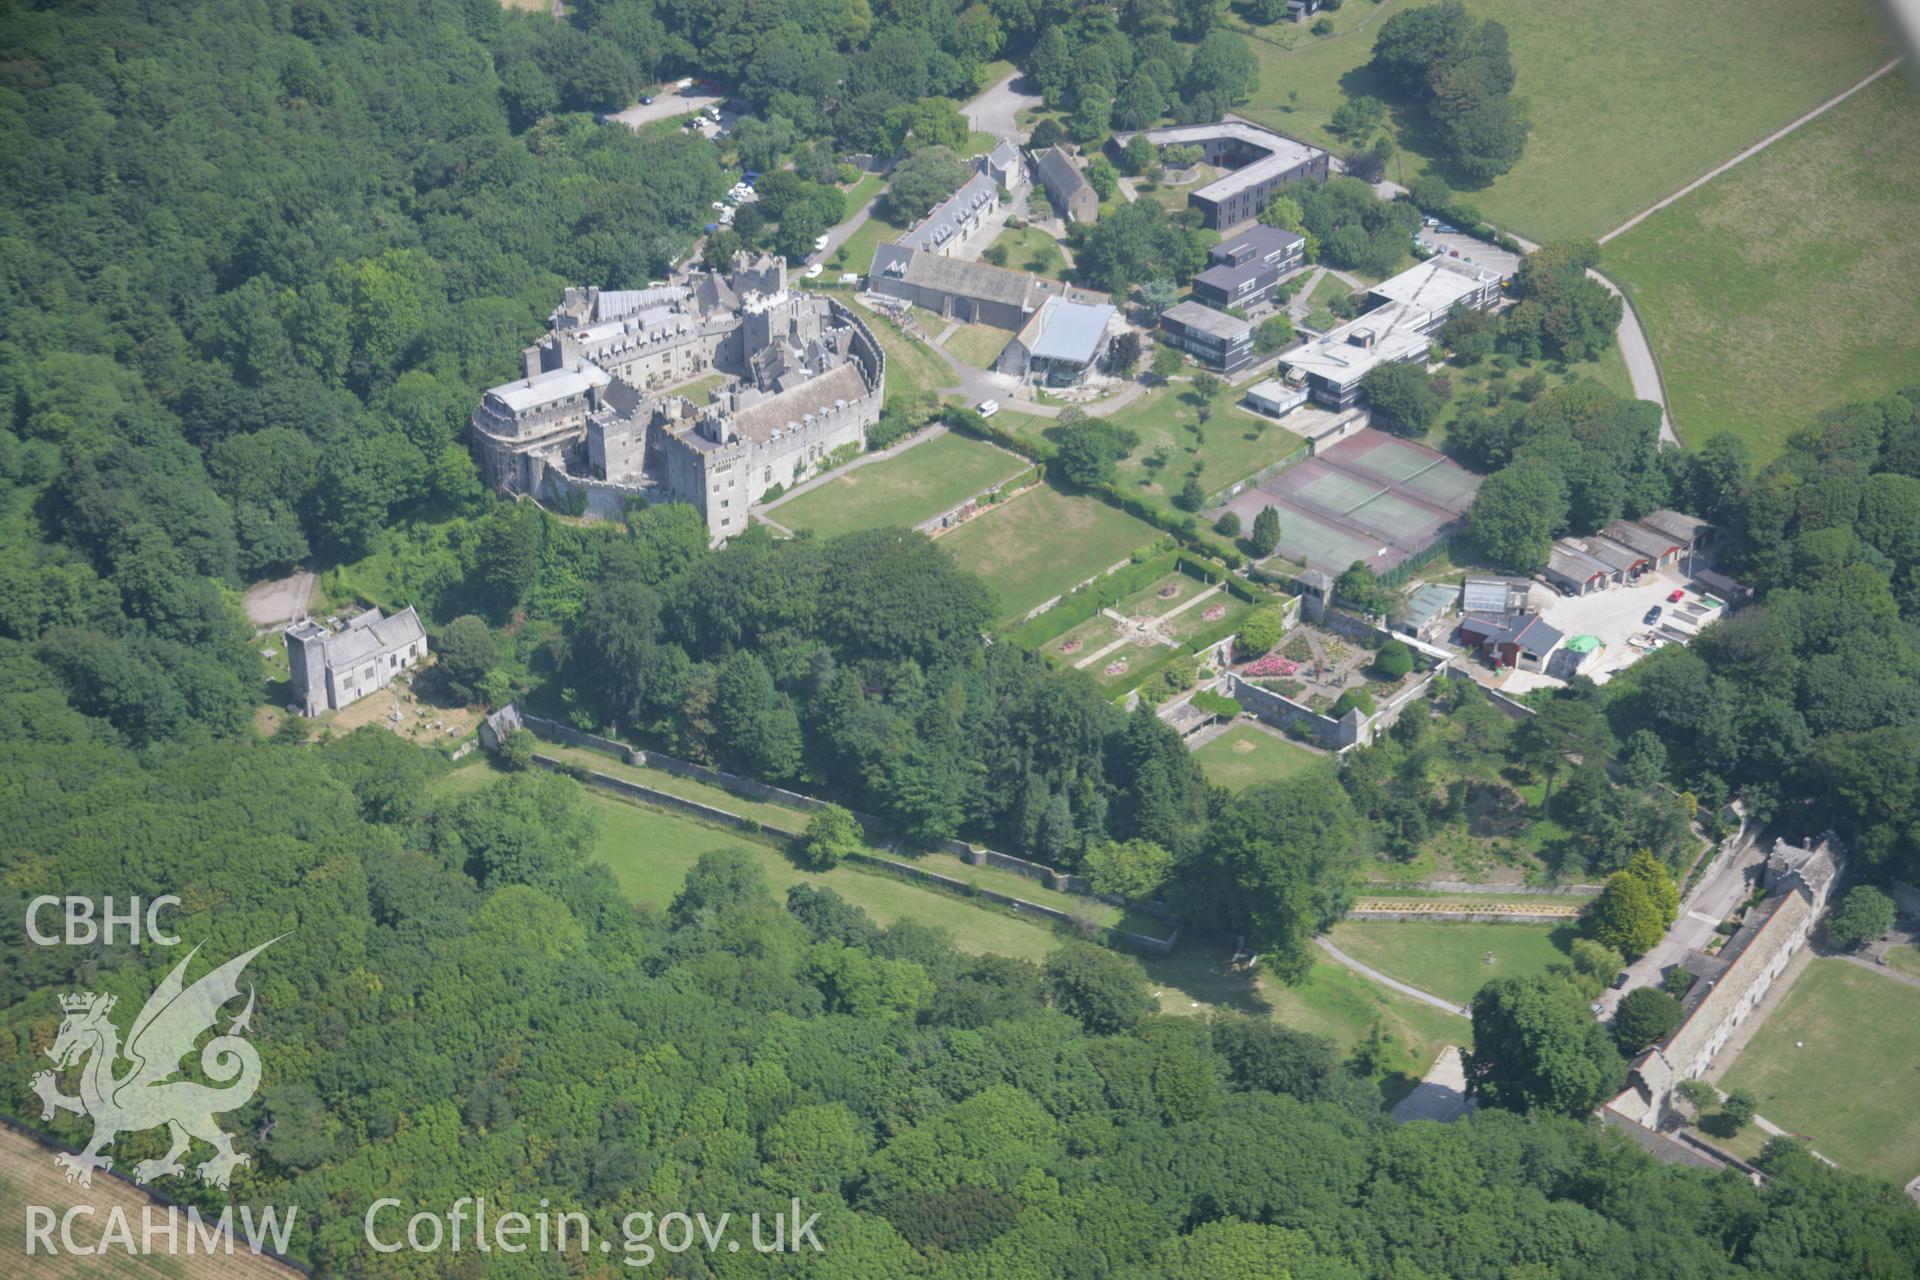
{"x":1392,"y":460}
{"x":1323,"y":487}
{"x":1398,"y":519}
{"x":1447,"y":486}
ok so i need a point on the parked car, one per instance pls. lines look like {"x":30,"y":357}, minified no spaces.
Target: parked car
{"x":1445,"y":230}
{"x":1620,"y":980}
{"x":1653,"y":616}
{"x":1677,"y":596}
{"x":820,"y":242}
{"x":987,"y":408}
{"x":646,"y":99}
{"x":813,"y":272}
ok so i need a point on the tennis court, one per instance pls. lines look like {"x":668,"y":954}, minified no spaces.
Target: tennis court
{"x":1371,"y":497}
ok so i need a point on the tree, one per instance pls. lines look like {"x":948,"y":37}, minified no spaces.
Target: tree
{"x":831,"y":834}
{"x":1273,"y":333}
{"x":1138,"y":156}
{"x":1086,"y":449}
{"x":1652,"y":873}
{"x":922,"y":181}
{"x":1228,"y":525}
{"x":1223,"y":71}
{"x":1102,"y":177}
{"x":1644,"y":759}
{"x":1625,"y":915}
{"x":465,"y":653}
{"x":1737,"y":1111}
{"x":1130,"y":868}
{"x":1265,"y":538}
{"x":1393,"y":660}
{"x":1167,"y":361}
{"x":1104,"y":990}
{"x":1261,"y":631}
{"x":1191,"y":496}
{"x":1401,"y":397}
{"x":1647,"y":1015}
{"x":1864,"y":915}
{"x":1536,"y":1048}
{"x":1698,"y":1094}
{"x":1123,"y":354}
{"x":1516,"y":514}
{"x":1205,"y":387}
{"x":1156,"y":296}
{"x":1566,"y":725}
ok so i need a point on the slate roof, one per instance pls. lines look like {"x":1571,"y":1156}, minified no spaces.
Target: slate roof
{"x":1682,"y":528}
{"x":1282,"y":153}
{"x":940,"y":226}
{"x":954,"y":275}
{"x":760,"y":420}
{"x":1057,"y":172}
{"x":1569,"y":561}
{"x":1642,"y":539}
{"x":1527,"y":630}
{"x":371,"y":635}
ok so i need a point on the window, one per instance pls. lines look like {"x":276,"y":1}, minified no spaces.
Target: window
{"x":371,"y":669}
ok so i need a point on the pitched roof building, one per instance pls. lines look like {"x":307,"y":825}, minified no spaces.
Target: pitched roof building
{"x":1061,"y":343}
{"x":1071,"y":195}
{"x":331,"y":669}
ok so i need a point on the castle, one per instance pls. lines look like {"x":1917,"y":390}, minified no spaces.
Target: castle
{"x":596,"y":425}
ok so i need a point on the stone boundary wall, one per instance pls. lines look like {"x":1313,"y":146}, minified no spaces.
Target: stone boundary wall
{"x":749,"y":789}
{"x":1514,"y":710}
{"x":1468,"y":914}
{"x":639,"y":791}
{"x":1283,"y":712}
{"x":961,"y":512}
{"x":1463,"y":886}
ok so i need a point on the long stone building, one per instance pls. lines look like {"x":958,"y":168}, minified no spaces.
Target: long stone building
{"x":603,"y":416}
{"x":331,"y":668}
{"x":1727,"y":987}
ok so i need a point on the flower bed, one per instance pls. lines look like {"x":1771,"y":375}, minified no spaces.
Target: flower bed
{"x":1214,"y":612}
{"x":1271,"y":665}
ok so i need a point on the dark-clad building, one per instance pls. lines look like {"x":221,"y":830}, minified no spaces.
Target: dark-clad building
{"x":1217,"y":340}
{"x":1259,"y":161}
{"x":1247,"y":268}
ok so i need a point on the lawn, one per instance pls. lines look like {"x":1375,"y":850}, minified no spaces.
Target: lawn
{"x":977,"y":345}
{"x":1787,"y":285}
{"x":1629,"y":100}
{"x":905,"y":489}
{"x":857,"y":253}
{"x":1233,"y":443}
{"x":1836,"y":1062}
{"x":1042,"y":543}
{"x":913,"y":367}
{"x":1904,"y":959}
{"x":1246,"y":754}
{"x":1448,"y":958}
{"x":1031,"y":249}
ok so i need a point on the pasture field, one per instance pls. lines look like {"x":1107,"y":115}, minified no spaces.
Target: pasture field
{"x":1836,"y":1062}
{"x":1629,"y":100}
{"x":903,"y":490}
{"x":1041,"y":543}
{"x":1787,"y":285}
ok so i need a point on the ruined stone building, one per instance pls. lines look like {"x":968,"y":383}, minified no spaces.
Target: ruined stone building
{"x":604,"y":416}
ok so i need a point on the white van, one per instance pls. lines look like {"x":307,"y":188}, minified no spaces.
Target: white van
{"x":987,"y":408}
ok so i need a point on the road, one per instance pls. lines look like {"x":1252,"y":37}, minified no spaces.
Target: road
{"x":996,"y":108}
{"x":1741,"y":862}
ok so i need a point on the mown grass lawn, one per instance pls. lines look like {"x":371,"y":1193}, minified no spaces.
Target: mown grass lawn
{"x":977,"y":345}
{"x":903,"y":490}
{"x":1788,"y":285}
{"x":1904,"y":959}
{"x":1246,"y":754}
{"x":1031,"y":249}
{"x":1231,"y":445}
{"x":857,"y":253}
{"x":1837,"y":1061}
{"x":1630,"y":99}
{"x":913,"y":367}
{"x":1042,"y":542}
{"x":1448,"y":958}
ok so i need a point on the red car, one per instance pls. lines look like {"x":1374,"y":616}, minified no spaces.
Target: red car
{"x":1677,"y":596}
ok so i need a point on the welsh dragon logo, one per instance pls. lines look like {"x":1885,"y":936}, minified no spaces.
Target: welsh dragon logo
{"x":148,"y":1095}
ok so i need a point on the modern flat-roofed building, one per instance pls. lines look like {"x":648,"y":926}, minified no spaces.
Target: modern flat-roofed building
{"x":1260,"y":163}
{"x":1331,"y":366}
{"x":1071,"y":195}
{"x":1217,"y":340}
{"x":1247,"y":268}
{"x":1274,"y":397}
{"x":1061,"y":344}
{"x":1437,"y":286}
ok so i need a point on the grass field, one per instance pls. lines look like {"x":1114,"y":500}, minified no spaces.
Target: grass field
{"x":913,"y":368}
{"x":903,"y":490}
{"x":28,"y":1176}
{"x":1788,"y":284}
{"x":1449,"y":958}
{"x":1031,"y":249}
{"x":1246,"y":754}
{"x":1041,"y":543}
{"x":977,"y":345}
{"x":1837,"y":1062}
{"x":1629,"y":100}
{"x":1904,"y":959}
{"x":1233,"y":443}
{"x":857,"y":253}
